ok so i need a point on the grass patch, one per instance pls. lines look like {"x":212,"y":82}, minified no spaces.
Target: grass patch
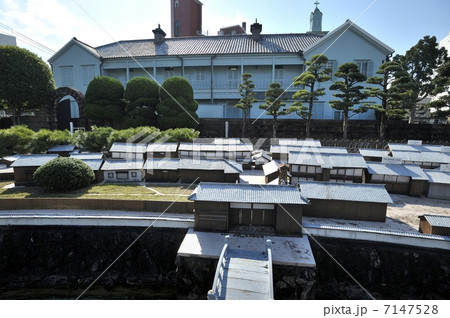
{"x":103,"y":191}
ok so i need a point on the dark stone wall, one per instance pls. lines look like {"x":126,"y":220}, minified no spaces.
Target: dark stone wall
{"x":60,"y":262}
{"x":195,"y":277}
{"x":386,"y":271}
{"x":325,"y":129}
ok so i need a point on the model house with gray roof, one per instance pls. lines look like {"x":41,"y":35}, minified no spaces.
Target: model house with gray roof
{"x":191,"y":170}
{"x":363,"y":202}
{"x":116,"y":170}
{"x":333,"y":167}
{"x":434,"y":224}
{"x":162,"y":150}
{"x":438,"y":184}
{"x":25,"y":166}
{"x":407,"y":179}
{"x":128,"y":151}
{"x":222,"y":206}
{"x":94,"y":160}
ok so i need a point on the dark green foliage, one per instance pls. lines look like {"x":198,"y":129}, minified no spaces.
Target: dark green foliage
{"x":179,"y":135}
{"x":25,"y":81}
{"x":440,"y":107}
{"x":141,"y":97}
{"x":16,"y":139}
{"x":98,"y":139}
{"x":247,"y":99}
{"x":104,"y":100}
{"x":349,"y":92}
{"x":385,"y":89}
{"x":135,"y":135}
{"x":178,"y":106}
{"x":64,"y":174}
{"x":421,"y":62}
{"x":44,"y":139}
{"x":315,"y":73}
{"x":274,"y":102}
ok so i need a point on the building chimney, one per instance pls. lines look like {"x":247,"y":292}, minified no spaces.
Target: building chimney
{"x":256,"y":29}
{"x":159,"y":35}
{"x":244,"y":26}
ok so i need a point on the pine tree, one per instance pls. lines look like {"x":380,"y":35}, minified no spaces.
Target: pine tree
{"x":351,"y":93}
{"x":315,"y":74}
{"x":389,"y":105}
{"x":420,"y":62}
{"x":247,"y":99}
{"x":274,"y":103}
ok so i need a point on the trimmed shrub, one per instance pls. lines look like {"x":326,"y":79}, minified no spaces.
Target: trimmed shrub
{"x":135,"y":135}
{"x":16,"y":139}
{"x":141,"y":97}
{"x":104,"y":100}
{"x":178,"y":107}
{"x":98,"y":139}
{"x":45,"y":139}
{"x":180,"y":134}
{"x":64,"y":174}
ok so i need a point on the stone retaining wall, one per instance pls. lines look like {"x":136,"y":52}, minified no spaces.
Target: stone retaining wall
{"x":96,"y":204}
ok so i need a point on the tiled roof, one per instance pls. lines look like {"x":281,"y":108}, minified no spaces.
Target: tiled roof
{"x":299,"y":142}
{"x":327,"y":160}
{"x":123,"y":165}
{"x":306,"y":148}
{"x":437,"y":176}
{"x":61,"y":148}
{"x":374,"y":193}
{"x":437,"y":220}
{"x":87,"y":155}
{"x":227,"y":166}
{"x":189,"y":146}
{"x":429,"y":156}
{"x":227,"y":141}
{"x":407,"y":170}
{"x":247,"y":193}
{"x":211,"y":45}
{"x":380,"y":153}
{"x":418,"y":148}
{"x":270,"y":167}
{"x":33,"y":160}
{"x":128,"y":147}
{"x":162,"y":164}
{"x":94,"y":164}
{"x":162,"y":147}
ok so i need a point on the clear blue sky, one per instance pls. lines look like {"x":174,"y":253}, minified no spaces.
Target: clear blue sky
{"x":398,"y":23}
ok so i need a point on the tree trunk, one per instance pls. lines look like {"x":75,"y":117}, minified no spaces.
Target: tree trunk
{"x":274,"y":128}
{"x":412,"y":115}
{"x":382,"y":125}
{"x":308,"y":125}
{"x":345,"y":125}
{"x":16,"y":116}
{"x":243,"y":126}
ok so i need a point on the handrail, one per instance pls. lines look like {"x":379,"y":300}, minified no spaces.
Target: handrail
{"x":212,"y":294}
{"x":269,"y":261}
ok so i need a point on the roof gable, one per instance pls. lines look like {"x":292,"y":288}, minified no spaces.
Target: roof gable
{"x":349,"y":25}
{"x":74,"y":41}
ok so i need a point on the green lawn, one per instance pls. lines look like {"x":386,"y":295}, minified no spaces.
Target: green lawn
{"x":104,"y":191}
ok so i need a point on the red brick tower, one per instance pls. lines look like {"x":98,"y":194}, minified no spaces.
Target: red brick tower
{"x":186,"y":17}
